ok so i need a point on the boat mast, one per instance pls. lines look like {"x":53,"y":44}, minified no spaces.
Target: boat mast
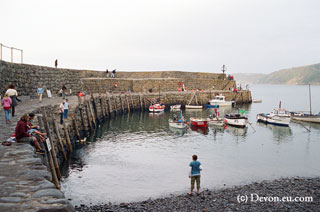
{"x":310,"y":99}
{"x":159,"y":93}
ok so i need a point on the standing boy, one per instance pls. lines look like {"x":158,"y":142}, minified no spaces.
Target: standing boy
{"x":195,"y":174}
{"x":66,"y":109}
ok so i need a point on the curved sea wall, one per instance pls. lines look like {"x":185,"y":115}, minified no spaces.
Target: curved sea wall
{"x":31,"y":188}
{"x":27,"y":78}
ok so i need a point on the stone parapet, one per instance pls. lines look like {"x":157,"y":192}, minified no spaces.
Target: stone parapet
{"x":27,"y":78}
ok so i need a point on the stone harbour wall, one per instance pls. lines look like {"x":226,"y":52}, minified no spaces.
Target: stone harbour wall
{"x":27,"y":78}
{"x":96,"y":85}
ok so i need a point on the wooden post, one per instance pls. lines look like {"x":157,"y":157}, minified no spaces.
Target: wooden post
{"x":66,"y":134}
{"x":106,"y":110}
{"x":102,"y":108}
{"x":50,"y":161}
{"x":122,"y":107}
{"x":88,"y":115}
{"x":55,"y":125}
{"x":144,"y":103}
{"x":82,"y":121}
{"x":95,"y":107}
{"x":53,"y":151}
{"x":132,"y":105}
{"x":128,"y":104}
{"x":40,"y":122}
{"x":115,"y":104}
{"x":141,"y":108}
{"x":92,"y":116}
{"x":109,"y":106}
{"x":75,"y":127}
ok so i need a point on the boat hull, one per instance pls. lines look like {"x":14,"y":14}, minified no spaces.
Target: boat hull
{"x":175,"y":107}
{"x":236,"y":120}
{"x":178,"y":125}
{"x":193,"y":106}
{"x":157,"y":108}
{"x":275,"y":120}
{"x":215,"y":122}
{"x":307,"y":118}
{"x":211,"y":106}
{"x":221,"y":104}
{"x":198,"y":122}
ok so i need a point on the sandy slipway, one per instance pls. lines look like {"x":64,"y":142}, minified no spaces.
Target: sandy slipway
{"x":239,"y":198}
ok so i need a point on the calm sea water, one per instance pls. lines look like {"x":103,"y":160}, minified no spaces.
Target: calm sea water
{"x":137,"y":156}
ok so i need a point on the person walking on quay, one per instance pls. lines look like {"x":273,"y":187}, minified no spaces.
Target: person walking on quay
{"x":113,"y":74}
{"x":13,"y":94}
{"x":61,"y":111}
{"x":195,"y":173}
{"x":56,"y":63}
{"x":66,"y":109}
{"x":6,"y":102}
{"x":40,"y":93}
{"x":63,"y":91}
{"x":107,"y":73}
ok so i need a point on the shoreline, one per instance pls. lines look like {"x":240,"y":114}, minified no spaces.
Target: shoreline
{"x":266,"y":195}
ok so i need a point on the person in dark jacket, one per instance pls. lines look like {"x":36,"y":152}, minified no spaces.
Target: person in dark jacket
{"x":22,"y":134}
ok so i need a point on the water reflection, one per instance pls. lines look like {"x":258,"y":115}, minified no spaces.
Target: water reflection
{"x":237,"y":132}
{"x":178,"y":131}
{"x":201,"y":130}
{"x":279,"y":132}
{"x":137,"y":156}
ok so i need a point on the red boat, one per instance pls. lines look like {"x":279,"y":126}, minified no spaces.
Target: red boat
{"x":156,"y":108}
{"x":198,"y":122}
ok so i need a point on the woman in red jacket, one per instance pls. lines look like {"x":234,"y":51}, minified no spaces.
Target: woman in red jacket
{"x":23,"y":136}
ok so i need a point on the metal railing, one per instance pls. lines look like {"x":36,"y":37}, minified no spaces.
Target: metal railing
{"x":11,"y":49}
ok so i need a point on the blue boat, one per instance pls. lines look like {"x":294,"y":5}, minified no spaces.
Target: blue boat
{"x":211,"y":106}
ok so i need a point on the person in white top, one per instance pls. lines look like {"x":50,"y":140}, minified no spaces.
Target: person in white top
{"x":66,"y":109}
{"x":13,"y":94}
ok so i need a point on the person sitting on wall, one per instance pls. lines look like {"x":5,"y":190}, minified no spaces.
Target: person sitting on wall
{"x":23,"y":136}
{"x":34,"y":129}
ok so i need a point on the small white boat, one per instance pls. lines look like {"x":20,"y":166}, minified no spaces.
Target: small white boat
{"x":236,"y":120}
{"x":175,"y":107}
{"x":312,"y":118}
{"x":279,"y":117}
{"x":193,"y":106}
{"x":221,"y":101}
{"x":216,"y":121}
{"x":156,"y":108}
{"x":197,"y":106}
{"x":177,"y":124}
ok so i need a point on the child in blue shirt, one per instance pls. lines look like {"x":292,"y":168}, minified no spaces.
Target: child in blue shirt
{"x":195,"y":173}
{"x":40,"y":93}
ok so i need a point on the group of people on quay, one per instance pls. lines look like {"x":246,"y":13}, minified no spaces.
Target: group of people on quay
{"x":26,"y":131}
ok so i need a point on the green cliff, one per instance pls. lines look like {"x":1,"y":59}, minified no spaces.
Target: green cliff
{"x":294,"y":76}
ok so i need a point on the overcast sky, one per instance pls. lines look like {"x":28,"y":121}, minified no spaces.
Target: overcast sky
{"x":188,"y":35}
